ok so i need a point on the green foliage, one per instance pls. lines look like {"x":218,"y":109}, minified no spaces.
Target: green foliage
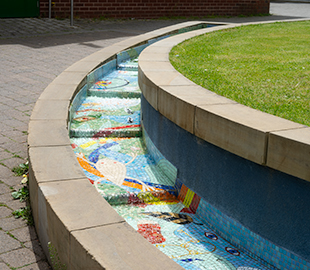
{"x":56,"y":263}
{"x":22,"y":194}
{"x":21,"y":169}
{"x":265,"y":66}
{"x":24,"y":213}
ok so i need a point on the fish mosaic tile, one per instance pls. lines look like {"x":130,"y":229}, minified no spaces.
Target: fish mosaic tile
{"x":122,"y":162}
{"x":135,"y":178}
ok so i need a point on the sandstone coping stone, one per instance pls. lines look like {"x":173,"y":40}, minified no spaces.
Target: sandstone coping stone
{"x":288,"y":150}
{"x":68,"y":212}
{"x":127,"y":249}
{"x":238,"y":129}
{"x":55,"y":132}
{"x":50,"y":110}
{"x":70,"y":77}
{"x":179,"y":103}
{"x":241,"y":130}
{"x":51,"y":163}
{"x":56,"y":91}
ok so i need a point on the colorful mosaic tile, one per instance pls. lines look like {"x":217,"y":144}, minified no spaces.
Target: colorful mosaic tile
{"x":137,"y":180}
{"x":131,"y":64}
{"x":129,"y":59}
{"x":121,"y":83}
{"x":104,"y":116}
{"x":123,"y":162}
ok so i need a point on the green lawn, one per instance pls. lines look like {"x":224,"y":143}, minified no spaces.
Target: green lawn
{"x":266,"y":67}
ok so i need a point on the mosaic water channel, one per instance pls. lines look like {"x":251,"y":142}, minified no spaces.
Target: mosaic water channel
{"x":125,"y":167}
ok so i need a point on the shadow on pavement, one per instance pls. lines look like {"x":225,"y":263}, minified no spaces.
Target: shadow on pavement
{"x":86,"y":34}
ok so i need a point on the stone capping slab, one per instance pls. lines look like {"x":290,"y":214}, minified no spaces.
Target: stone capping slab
{"x":68,"y":212}
{"x":259,"y":137}
{"x":287,"y":151}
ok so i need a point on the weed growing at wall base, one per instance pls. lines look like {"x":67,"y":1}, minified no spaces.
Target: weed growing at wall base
{"x":24,"y":213}
{"x":22,"y":194}
{"x":56,"y":263}
{"x":21,"y":169}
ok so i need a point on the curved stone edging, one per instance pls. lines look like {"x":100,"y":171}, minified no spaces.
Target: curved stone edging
{"x":259,"y":137}
{"x":65,"y":207}
{"x":68,"y":212}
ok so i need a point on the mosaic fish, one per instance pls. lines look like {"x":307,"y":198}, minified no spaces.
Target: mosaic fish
{"x":247,"y":268}
{"x":103,"y":83}
{"x":85,"y":165}
{"x":171,"y":217}
{"x":129,"y":111}
{"x":90,"y":110}
{"x":91,"y":104}
{"x":190,"y":260}
{"x":116,"y":171}
{"x":211,"y":236}
{"x":232,"y":251}
{"x":111,"y":83}
{"x":151,"y":231}
{"x":86,"y":118}
{"x":112,"y":170}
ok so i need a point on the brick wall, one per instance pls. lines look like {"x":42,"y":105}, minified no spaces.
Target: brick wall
{"x":148,"y":9}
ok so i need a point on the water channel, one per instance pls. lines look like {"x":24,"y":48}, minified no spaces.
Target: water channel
{"x":122,"y":163}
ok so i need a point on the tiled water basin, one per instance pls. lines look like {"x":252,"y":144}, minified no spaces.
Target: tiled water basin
{"x":142,"y":190}
{"x":134,"y":177}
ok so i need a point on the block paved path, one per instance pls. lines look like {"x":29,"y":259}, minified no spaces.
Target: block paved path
{"x":32,"y":53}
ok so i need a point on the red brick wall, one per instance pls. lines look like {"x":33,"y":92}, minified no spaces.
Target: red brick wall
{"x":154,"y":8}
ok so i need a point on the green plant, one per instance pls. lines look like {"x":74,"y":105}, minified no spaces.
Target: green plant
{"x":21,"y":169}
{"x":22,"y":194}
{"x":56,"y":263}
{"x":24,"y":213}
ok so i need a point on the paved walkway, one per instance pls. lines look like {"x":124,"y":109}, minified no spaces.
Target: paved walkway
{"x":32,"y":53}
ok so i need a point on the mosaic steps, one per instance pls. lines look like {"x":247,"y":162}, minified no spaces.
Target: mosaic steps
{"x":131,"y":64}
{"x":122,"y":83}
{"x":102,"y":117}
{"x":142,"y":186}
{"x":119,"y":94}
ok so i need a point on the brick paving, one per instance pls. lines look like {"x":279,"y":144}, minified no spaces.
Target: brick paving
{"x":32,"y":53}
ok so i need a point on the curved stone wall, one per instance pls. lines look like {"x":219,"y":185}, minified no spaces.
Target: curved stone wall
{"x":84,"y":228}
{"x":250,"y":166}
{"x":68,"y":212}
